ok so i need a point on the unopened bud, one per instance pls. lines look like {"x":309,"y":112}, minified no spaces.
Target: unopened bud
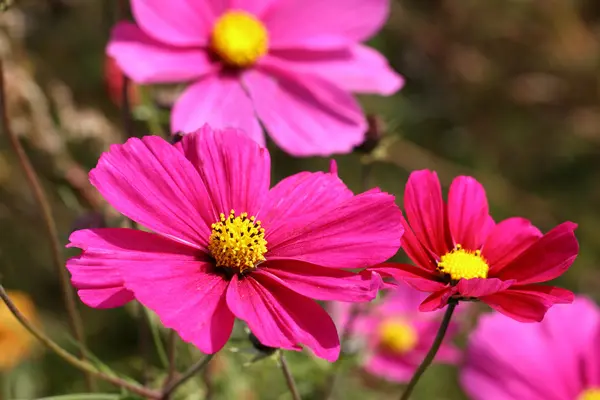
{"x":266,"y":350}
{"x":176,"y":137}
{"x":375,"y":131}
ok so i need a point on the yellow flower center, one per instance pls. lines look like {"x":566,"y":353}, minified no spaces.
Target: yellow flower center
{"x":239,"y":39}
{"x":398,"y":335}
{"x":463,"y":264}
{"x":590,"y":394}
{"x":237,"y":242}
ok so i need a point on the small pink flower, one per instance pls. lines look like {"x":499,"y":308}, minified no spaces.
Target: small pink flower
{"x":557,"y":359}
{"x":394,"y":335}
{"x":290,"y":64}
{"x":228,"y":246}
{"x":461,"y":253}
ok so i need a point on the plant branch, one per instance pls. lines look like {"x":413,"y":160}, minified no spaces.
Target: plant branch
{"x":289,"y":379}
{"x":199,"y":366}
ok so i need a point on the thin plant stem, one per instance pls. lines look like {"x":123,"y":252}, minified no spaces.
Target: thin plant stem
{"x":289,"y":379}
{"x":41,"y":199}
{"x":432,"y":351}
{"x":172,"y":353}
{"x":158,"y":344}
{"x":71,"y":359}
{"x":194,"y":369}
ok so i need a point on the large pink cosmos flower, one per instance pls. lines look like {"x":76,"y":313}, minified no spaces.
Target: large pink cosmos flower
{"x":461,"y":253}
{"x":289,"y":63}
{"x":557,"y":359}
{"x":394,"y":336}
{"x":226,"y":246}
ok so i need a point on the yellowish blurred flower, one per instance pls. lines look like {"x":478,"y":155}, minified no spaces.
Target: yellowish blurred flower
{"x":16,"y":343}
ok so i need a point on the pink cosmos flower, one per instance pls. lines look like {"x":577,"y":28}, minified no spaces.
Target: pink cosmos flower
{"x":290,"y":64}
{"x":557,"y":359}
{"x":461,"y":253}
{"x":228,"y":246}
{"x":394,"y":335}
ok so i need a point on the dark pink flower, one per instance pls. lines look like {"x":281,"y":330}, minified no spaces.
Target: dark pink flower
{"x":290,"y":64}
{"x":557,"y":359}
{"x":227,"y":246}
{"x":460,"y":252}
{"x":393,"y":336}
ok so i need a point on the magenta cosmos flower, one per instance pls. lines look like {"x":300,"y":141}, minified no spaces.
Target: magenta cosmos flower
{"x":461,"y":253}
{"x":226,"y":246}
{"x":557,"y":359}
{"x":393,"y":336}
{"x":290,"y":64}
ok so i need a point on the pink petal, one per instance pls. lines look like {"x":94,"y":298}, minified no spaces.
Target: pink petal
{"x":546,"y":259}
{"x":521,"y":306}
{"x":416,"y":277}
{"x":180,"y":22}
{"x":354,"y":67}
{"x":188,"y":297}
{"x":414,"y":249}
{"x":322,"y":283}
{"x":478,"y":287}
{"x":468,"y":212}
{"x":218,"y":101}
{"x":507,"y":240}
{"x":301,"y":194}
{"x":235,"y":169}
{"x":391,"y":367}
{"x":255,"y":7}
{"x":550,"y":294}
{"x":360,"y":232}
{"x":152,"y":183}
{"x":291,"y":21}
{"x":281,"y":318}
{"x":437,"y":300}
{"x":145,"y":60}
{"x":306,"y":115}
{"x":96,"y":273}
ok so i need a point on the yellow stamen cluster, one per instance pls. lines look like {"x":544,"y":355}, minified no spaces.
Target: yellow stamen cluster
{"x":237,"y":242}
{"x":398,"y":335}
{"x":463,"y":264}
{"x":590,"y":394}
{"x":239,"y":39}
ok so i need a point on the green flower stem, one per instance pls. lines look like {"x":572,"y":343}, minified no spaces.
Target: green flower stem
{"x":432,"y":351}
{"x":289,"y":378}
{"x":199,"y":366}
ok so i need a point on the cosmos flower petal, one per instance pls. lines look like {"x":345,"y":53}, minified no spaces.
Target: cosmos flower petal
{"x":234,"y":168}
{"x":96,"y":273}
{"x":507,"y":240}
{"x":468,"y":212}
{"x":180,"y":23}
{"x":389,"y":366}
{"x":152,"y":183}
{"x":414,"y":249}
{"x":291,"y":21}
{"x":255,"y":7}
{"x":188,"y":297}
{"x":416,"y":277}
{"x":353,"y":67}
{"x":281,"y":318}
{"x":437,"y":300}
{"x":523,"y":306}
{"x":361,"y":232}
{"x":218,"y":101}
{"x":321,"y":283}
{"x":306,"y":115}
{"x":145,"y":60}
{"x":301,"y":194}
{"x":546,"y":259}
{"x":478,"y":287}
{"x":425,"y":210}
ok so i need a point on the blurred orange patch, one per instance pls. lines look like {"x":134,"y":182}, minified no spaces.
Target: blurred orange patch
{"x":16,"y":344}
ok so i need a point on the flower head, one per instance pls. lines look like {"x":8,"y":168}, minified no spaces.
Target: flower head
{"x":557,"y":359}
{"x":393,"y":335}
{"x":461,"y":253}
{"x":277,"y":62}
{"x":16,"y":343}
{"x":225,"y":245}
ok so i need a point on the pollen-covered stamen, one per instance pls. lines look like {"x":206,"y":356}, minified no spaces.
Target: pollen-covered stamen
{"x":239,"y":39}
{"x":237,"y":242}
{"x":590,"y":394}
{"x":463,"y":264}
{"x":398,"y":335}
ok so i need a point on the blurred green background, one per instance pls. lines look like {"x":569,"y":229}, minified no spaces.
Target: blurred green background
{"x":507,"y":91}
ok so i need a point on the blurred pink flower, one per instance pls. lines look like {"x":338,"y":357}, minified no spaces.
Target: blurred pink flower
{"x":394,"y":335}
{"x":211,"y":259}
{"x":461,"y":253}
{"x":557,"y":359}
{"x":289,"y":63}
